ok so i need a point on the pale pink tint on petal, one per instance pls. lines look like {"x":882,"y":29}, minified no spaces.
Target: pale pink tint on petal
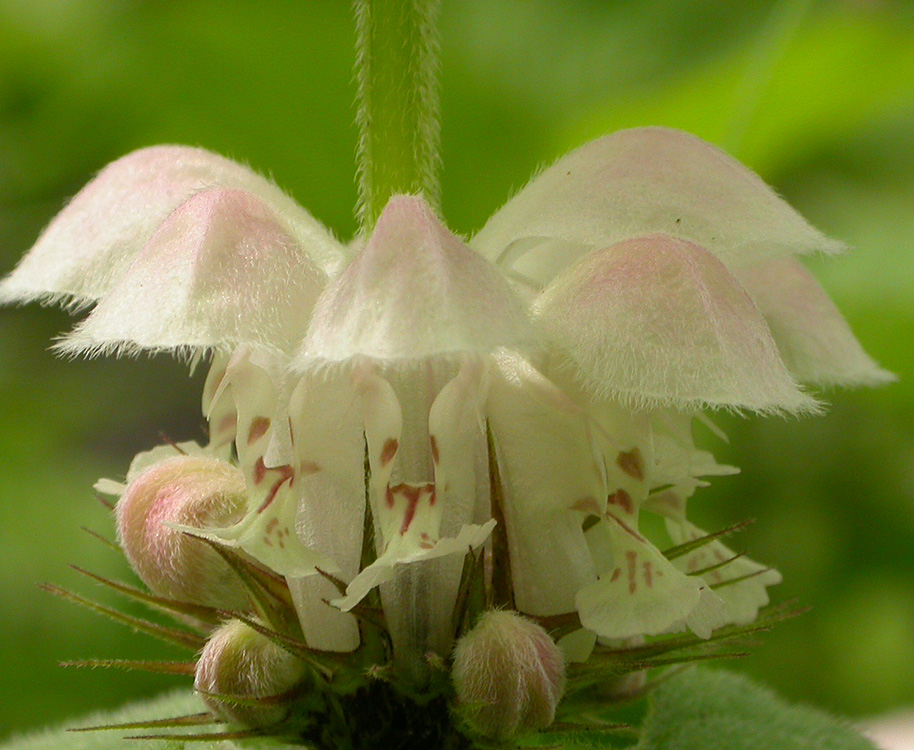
{"x":222,"y":270}
{"x":656,"y":321}
{"x":92,"y":241}
{"x":646,"y":180}
{"x":414,"y":291}
{"x":814,"y":339}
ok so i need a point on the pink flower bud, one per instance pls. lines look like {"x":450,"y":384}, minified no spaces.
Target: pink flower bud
{"x":240,"y":662}
{"x":191,"y":491}
{"x":509,"y":675}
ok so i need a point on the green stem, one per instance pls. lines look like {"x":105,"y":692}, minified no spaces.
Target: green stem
{"x":397,"y":70}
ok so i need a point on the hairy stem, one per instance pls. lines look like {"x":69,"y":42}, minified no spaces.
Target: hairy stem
{"x":397,"y":73}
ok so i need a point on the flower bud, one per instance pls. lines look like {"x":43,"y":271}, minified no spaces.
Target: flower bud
{"x":238,"y":661}
{"x":191,"y":491}
{"x":509,"y":675}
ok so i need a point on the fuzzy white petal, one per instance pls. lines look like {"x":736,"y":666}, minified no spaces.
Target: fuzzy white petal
{"x":218,"y":406}
{"x":424,"y":521}
{"x":677,"y":461}
{"x":222,"y":270}
{"x":381,"y":570}
{"x":248,"y":398}
{"x":414,"y":291}
{"x":550,"y":480}
{"x":709,"y":614}
{"x":442,"y":439}
{"x":457,"y":440}
{"x":814,"y":339}
{"x":641,"y":594}
{"x":741,"y":600}
{"x":257,"y":534}
{"x":647,"y":180}
{"x":93,"y":240}
{"x":657,"y":321}
{"x":578,"y":645}
{"x":329,"y":444}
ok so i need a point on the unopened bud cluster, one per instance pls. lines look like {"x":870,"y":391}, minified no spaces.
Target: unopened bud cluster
{"x":183,"y":491}
{"x":508,"y":674}
{"x":238,"y":666}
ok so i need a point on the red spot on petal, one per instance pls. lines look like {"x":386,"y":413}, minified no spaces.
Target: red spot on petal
{"x":412,"y":494}
{"x":623,"y":500}
{"x":286,"y":474}
{"x":632,"y":557}
{"x":631,"y":463}
{"x":669,"y":500}
{"x":259,"y":427}
{"x":626,"y":528}
{"x":260,"y":470}
{"x":436,"y":456}
{"x":272,"y":525}
{"x":389,"y":451}
{"x":648,"y":575}
{"x":307,"y":467}
{"x":615,"y":576}
{"x":587,"y":505}
{"x":409,"y":515}
{"x":227,"y":423}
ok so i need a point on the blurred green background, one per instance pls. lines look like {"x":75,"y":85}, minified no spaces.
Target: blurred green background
{"x":818,"y":97}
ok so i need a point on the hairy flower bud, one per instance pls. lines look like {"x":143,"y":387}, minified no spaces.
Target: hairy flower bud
{"x":238,"y":661}
{"x":509,"y":675}
{"x":186,"y":490}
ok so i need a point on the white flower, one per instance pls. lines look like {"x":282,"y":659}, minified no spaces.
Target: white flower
{"x":637,"y":281}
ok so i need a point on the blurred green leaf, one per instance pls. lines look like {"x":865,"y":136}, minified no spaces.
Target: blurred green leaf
{"x":714,"y":710}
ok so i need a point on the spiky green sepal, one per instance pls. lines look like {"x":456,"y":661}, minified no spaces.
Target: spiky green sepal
{"x":359,"y":700}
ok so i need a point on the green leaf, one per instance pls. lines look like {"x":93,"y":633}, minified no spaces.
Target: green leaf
{"x":705,"y":709}
{"x":172,"y":704}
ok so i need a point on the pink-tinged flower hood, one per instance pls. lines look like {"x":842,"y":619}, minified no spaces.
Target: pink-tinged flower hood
{"x":530,"y":393}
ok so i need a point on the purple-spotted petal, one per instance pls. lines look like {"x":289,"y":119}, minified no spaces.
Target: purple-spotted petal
{"x":640,"y":592}
{"x":657,"y":321}
{"x":92,"y":242}
{"x":268,"y":535}
{"x":814,"y":339}
{"x":407,"y":549}
{"x":414,"y":291}
{"x":648,"y":180}
{"x":222,"y":270}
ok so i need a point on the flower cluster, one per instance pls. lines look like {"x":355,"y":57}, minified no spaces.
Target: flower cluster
{"x":405,"y":420}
